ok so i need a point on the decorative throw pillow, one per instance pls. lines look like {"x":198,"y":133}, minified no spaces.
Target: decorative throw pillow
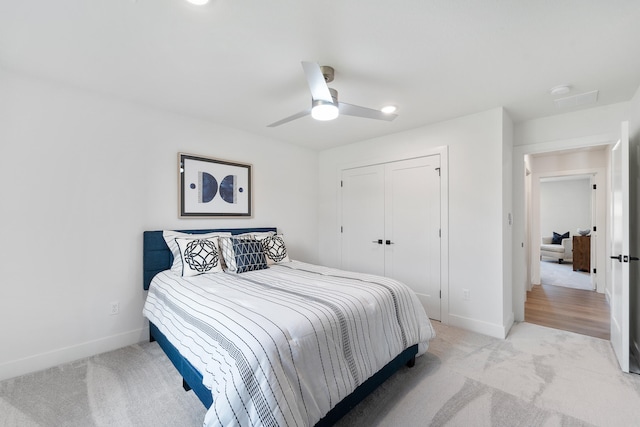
{"x":226,"y":249}
{"x":557,"y":238}
{"x":199,"y":256}
{"x":262,"y":235}
{"x":274,"y":248}
{"x":170,"y":237}
{"x":249,"y":255}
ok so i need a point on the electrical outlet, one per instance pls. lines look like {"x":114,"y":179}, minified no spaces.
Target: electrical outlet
{"x":115,"y":308}
{"x":466,"y":294}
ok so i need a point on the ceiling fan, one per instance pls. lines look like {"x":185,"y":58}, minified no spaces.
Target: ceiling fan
{"x":324,"y":100}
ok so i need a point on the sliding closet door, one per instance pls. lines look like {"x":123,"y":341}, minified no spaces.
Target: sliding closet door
{"x":363,"y":220}
{"x":412,"y":228}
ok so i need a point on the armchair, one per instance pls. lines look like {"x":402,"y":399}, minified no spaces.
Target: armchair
{"x":562,"y":252}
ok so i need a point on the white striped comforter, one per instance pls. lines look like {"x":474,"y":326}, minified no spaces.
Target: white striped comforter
{"x":282,"y":346}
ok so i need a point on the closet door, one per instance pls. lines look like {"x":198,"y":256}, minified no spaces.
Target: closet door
{"x":363,"y":220}
{"x":412,"y":228}
{"x":391,"y":224}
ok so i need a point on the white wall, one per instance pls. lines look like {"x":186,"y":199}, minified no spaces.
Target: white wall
{"x":581,"y":124}
{"x":476,"y":208}
{"x":507,"y":218}
{"x":565,"y":205}
{"x":81,"y":177}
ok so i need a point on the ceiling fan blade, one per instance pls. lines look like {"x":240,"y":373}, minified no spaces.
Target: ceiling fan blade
{"x":367,"y":113}
{"x":290,"y":118}
{"x":317,"y":84}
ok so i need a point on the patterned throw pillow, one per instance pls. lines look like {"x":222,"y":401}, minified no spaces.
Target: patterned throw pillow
{"x":199,"y":256}
{"x":249,"y":255}
{"x":274,"y":249}
{"x":170,"y":237}
{"x":226,"y":249}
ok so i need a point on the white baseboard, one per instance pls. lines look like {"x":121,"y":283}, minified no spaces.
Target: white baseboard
{"x":485,"y":328}
{"x":59,"y":356}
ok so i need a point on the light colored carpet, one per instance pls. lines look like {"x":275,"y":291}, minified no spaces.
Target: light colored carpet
{"x":133,"y":386}
{"x":536,"y":377}
{"x":552,"y":273}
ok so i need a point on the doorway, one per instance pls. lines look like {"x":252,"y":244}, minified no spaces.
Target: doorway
{"x":566,"y":199}
{"x":566,"y":214}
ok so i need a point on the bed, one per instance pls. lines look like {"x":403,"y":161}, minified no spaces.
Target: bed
{"x":266,"y":375}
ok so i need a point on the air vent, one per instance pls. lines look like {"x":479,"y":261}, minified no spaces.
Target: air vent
{"x":577,"y":100}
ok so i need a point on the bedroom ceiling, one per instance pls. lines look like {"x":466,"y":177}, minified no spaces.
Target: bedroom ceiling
{"x":237,"y":63}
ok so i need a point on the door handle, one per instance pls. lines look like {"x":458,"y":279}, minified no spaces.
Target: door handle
{"x":626,"y":258}
{"x":389,"y":242}
{"x":379,"y":241}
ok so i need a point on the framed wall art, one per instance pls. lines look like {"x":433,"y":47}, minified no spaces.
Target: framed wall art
{"x":214,"y":188}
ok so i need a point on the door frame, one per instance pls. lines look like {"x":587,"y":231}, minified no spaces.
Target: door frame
{"x":598,"y":244}
{"x":443,"y":151}
{"x":521,"y":243}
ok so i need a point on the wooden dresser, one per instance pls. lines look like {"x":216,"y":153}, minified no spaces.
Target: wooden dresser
{"x":582,"y":253}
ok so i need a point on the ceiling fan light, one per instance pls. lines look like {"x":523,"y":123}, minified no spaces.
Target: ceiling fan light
{"x":198,"y":2}
{"x":388,"y":109}
{"x":324,"y":111}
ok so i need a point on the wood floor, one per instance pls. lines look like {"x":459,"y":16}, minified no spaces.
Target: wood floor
{"x":575,"y":310}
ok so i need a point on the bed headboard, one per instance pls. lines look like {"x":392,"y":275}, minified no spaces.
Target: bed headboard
{"x":156,"y":256}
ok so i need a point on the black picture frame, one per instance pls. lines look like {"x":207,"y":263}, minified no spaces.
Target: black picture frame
{"x":210,"y":187}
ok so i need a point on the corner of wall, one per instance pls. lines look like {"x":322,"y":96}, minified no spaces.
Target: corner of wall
{"x":507,"y":217}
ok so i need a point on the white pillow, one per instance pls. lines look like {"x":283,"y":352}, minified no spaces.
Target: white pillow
{"x":170,"y":239}
{"x":199,"y":256}
{"x":274,"y":248}
{"x":262,"y":235}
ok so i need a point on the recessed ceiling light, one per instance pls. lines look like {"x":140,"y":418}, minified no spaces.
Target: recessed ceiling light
{"x":198,"y":2}
{"x":560,"y":90}
{"x":388,"y":109}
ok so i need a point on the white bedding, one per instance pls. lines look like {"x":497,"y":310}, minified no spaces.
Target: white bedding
{"x":282,"y":346}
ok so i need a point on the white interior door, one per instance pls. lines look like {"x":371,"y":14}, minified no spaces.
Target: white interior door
{"x":363,"y":219}
{"x":391,"y":225}
{"x":620,"y":248}
{"x":412,"y":228}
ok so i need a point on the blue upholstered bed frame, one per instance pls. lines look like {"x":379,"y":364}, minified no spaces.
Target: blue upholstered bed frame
{"x":156,"y":254}
{"x":157,"y":257}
